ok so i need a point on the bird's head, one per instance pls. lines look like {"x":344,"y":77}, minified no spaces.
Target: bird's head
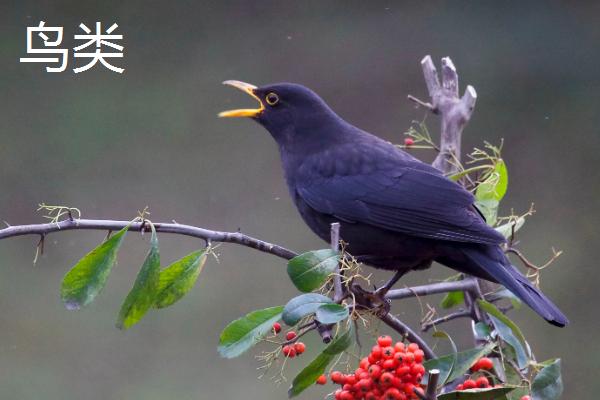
{"x":292,"y":113}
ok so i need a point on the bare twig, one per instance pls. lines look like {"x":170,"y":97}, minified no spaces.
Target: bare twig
{"x":179,"y":229}
{"x":449,"y":317}
{"x":337,"y":279}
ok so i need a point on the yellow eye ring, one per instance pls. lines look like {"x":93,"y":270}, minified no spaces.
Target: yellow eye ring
{"x":272,"y":98}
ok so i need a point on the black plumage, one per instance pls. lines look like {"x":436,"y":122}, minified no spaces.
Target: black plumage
{"x":395,"y":211}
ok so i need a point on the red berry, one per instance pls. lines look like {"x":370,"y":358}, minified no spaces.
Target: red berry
{"x":386,"y":379}
{"x":399,"y":356}
{"x":322,"y":380}
{"x":387,"y":352}
{"x":469,"y":384}
{"x":409,"y":389}
{"x":384,"y":341}
{"x":402,"y":370}
{"x":409,"y":141}
{"x":337,"y":377}
{"x":399,"y":346}
{"x":419,"y":355}
{"x":276,"y":327}
{"x":371,"y":396}
{"x":412,"y":347}
{"x":289,"y":351}
{"x":346,"y":395}
{"x":390,"y":364}
{"x":299,"y":347}
{"x":376,"y":352}
{"x":348,"y":387}
{"x":337,"y":394}
{"x":459,"y":387}
{"x":392,"y":394}
{"x":358,"y":371}
{"x":351,"y":380}
{"x":417,"y":369}
{"x":375,"y":371}
{"x":482,"y":382}
{"x":486,"y":363}
{"x":364,"y":363}
{"x":409,"y":358}
{"x":290,"y":335}
{"x":364,"y":385}
{"x":526,"y":397}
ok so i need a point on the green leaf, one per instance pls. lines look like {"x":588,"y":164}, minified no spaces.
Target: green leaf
{"x":312,"y":371}
{"x":310,"y":270}
{"x":465,"y":359}
{"x":507,"y":229}
{"x":489,"y":192}
{"x":245,"y":332}
{"x":548,"y":384}
{"x":445,"y":365}
{"x":179,"y":278}
{"x":331,"y":313}
{"x":453,"y":299}
{"x":142,"y":296}
{"x":303,"y":305}
{"x":87,"y":278}
{"x":482,"y":331}
{"x":478,"y":394}
{"x":493,"y":311}
{"x":505,"y":294}
{"x":507,"y":335}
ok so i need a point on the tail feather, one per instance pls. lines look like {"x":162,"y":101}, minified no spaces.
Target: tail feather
{"x":494,"y":263}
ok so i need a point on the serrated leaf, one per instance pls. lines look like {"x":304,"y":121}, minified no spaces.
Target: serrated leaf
{"x":312,"y":371}
{"x":245,"y":332}
{"x":179,"y":278}
{"x":87,"y":278}
{"x":507,"y":229}
{"x":141,"y":297}
{"x":331,"y":313}
{"x":478,"y":394}
{"x":310,"y":270}
{"x":548,"y":384}
{"x":303,"y":305}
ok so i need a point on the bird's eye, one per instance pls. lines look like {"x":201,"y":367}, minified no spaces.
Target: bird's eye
{"x":272,"y":99}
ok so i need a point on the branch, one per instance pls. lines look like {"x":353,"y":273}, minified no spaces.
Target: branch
{"x":404,"y":329}
{"x":455,"y":112}
{"x":465,"y":285}
{"x":178,"y":229}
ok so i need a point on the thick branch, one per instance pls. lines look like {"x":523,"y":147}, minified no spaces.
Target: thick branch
{"x":465,"y":285}
{"x":455,"y":112}
{"x":178,"y":229}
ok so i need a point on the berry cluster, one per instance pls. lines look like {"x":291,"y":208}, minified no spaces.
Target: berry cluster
{"x":293,"y":349}
{"x":482,"y":382}
{"x":390,"y":372}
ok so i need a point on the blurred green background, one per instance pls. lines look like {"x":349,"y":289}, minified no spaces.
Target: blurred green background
{"x":111,"y":144}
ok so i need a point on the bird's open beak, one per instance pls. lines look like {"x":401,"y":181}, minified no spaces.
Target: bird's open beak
{"x":245,"y":112}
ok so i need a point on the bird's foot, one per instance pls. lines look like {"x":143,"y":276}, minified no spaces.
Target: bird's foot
{"x":382,"y":291}
{"x":370,"y":300}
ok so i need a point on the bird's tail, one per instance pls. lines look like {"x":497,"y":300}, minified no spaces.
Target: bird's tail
{"x":494,"y":263}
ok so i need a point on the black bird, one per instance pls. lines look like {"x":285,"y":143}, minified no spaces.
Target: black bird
{"x":395,"y":212}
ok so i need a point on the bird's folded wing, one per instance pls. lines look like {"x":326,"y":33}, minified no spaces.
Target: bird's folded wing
{"x":410,"y":198}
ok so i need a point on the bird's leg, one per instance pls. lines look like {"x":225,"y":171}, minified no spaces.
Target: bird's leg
{"x":382,"y":291}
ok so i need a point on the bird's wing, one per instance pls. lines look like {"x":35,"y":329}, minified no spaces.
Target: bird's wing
{"x":401,"y":194}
